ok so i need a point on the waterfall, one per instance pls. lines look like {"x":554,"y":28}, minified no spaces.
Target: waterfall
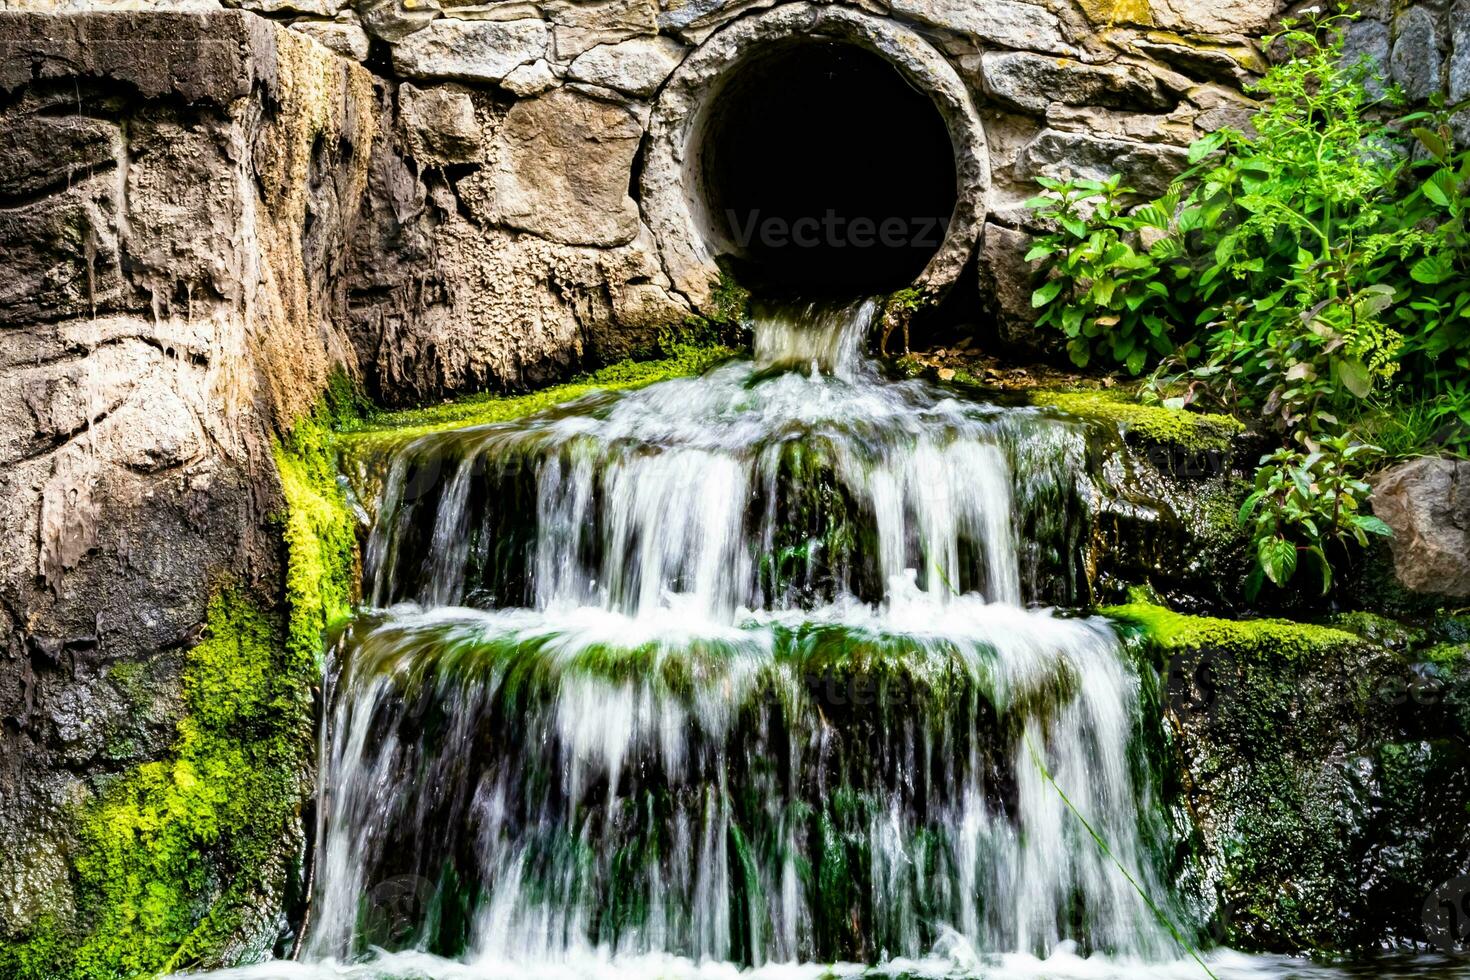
{"x":751,"y":668}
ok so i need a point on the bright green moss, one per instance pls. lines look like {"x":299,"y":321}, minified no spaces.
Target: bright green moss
{"x":170,"y":852}
{"x":1155,"y":423}
{"x":1175,"y":632}
{"x":173,"y":852}
{"x":684,"y":360}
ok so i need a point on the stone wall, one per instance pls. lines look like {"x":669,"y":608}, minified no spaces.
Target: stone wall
{"x":176,"y":196}
{"x":521,"y":220}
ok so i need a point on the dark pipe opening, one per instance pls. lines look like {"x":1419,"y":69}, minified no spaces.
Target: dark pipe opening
{"x":825,"y":171}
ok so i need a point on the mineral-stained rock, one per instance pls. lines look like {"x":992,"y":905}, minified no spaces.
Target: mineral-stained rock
{"x":1427,"y":503}
{"x":563,"y":163}
{"x":39,"y":152}
{"x":1233,"y":64}
{"x":440,"y":122}
{"x":1032,"y":82}
{"x":470,"y":50}
{"x":346,"y":37}
{"x":1147,"y":167}
{"x":1416,"y":60}
{"x":1007,"y":23}
{"x":637,"y":66}
{"x":60,"y":254}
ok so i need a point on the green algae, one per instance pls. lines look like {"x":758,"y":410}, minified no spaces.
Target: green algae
{"x":1192,"y":431}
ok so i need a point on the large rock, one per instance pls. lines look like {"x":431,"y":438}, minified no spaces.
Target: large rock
{"x":180,"y":191}
{"x":1032,"y":82}
{"x":637,"y":67}
{"x":1416,"y":61}
{"x":563,"y":164}
{"x":1006,"y":23}
{"x":471,"y":50}
{"x":1147,"y":167}
{"x":1427,"y":503}
{"x":1368,"y":40}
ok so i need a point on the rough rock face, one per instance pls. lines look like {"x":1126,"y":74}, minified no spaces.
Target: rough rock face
{"x":1427,"y":503}
{"x":174,"y":201}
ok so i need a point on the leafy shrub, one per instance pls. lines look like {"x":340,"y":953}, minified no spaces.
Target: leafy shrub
{"x":1310,"y":270}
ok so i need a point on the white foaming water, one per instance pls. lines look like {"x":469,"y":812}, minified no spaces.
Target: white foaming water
{"x":733,"y":676}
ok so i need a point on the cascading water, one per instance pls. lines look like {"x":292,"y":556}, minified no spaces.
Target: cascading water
{"x":735,"y":670}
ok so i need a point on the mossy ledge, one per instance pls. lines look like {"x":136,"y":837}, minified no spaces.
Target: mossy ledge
{"x":176,"y":857}
{"x":1192,"y":431}
{"x":682,"y":359}
{"x":1318,"y":765}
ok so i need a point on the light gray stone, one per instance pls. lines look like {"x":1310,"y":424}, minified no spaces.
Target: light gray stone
{"x":563,"y":162}
{"x":1427,"y":503}
{"x":1214,"y":16}
{"x":346,"y":37}
{"x":317,"y":8}
{"x":529,"y":80}
{"x":637,"y":66}
{"x":1416,"y":59}
{"x":1007,"y":23}
{"x":577,"y":25}
{"x":1032,"y":82}
{"x":1146,"y":167}
{"x":470,"y":50}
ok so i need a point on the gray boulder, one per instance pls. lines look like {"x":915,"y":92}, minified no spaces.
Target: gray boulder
{"x":1427,"y":503}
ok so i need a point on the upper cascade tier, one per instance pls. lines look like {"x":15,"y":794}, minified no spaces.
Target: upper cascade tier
{"x":798,"y":477}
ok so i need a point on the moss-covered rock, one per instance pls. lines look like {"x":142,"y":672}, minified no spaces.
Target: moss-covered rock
{"x":1192,"y":431}
{"x":1328,"y":775}
{"x":188,"y":860}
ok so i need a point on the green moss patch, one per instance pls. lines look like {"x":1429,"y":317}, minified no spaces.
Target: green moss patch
{"x":1276,"y":639}
{"x":1169,"y":426}
{"x":683,"y":360}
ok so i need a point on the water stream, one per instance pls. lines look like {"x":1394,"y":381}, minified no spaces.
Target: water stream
{"x":748,"y":672}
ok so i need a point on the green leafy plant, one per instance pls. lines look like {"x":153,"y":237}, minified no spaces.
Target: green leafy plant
{"x":1104,"y":285}
{"x":1304,"y":501}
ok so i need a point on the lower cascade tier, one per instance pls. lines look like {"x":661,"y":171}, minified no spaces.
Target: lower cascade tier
{"x":849,"y":783}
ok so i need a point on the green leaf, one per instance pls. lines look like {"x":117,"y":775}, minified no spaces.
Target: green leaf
{"x":1433,"y":269}
{"x":1047,"y":293}
{"x":1204,"y":147}
{"x":1442,"y":187}
{"x":1041,"y":251}
{"x":1373,"y":525}
{"x":1353,"y":375}
{"x":1277,"y":558}
{"x":1432,"y":142}
{"x":1136,"y":360}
